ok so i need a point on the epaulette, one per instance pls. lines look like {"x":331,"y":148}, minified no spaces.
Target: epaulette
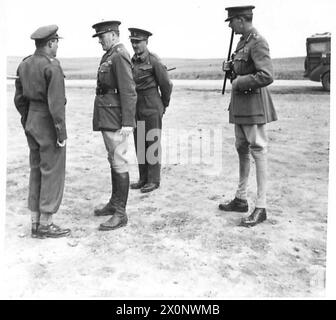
{"x":156,"y":58}
{"x":26,"y":57}
{"x":154,"y":55}
{"x":48,"y":58}
{"x":54,"y":61}
{"x":121,"y":49}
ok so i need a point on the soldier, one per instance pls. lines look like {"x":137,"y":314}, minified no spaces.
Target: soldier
{"x":149,"y":74}
{"x":251,"y":107}
{"x":40,"y":99}
{"x":114,"y":116}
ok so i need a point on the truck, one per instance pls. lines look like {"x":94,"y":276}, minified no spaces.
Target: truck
{"x":317,"y":61}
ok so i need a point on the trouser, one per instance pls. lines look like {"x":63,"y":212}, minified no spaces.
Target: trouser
{"x":147,"y":140}
{"x":47,"y":164}
{"x":252,"y":139}
{"x":116,"y":147}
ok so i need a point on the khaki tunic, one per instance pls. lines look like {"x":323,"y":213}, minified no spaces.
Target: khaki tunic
{"x":40,"y":100}
{"x":154,"y":90}
{"x":115,"y":100}
{"x":251,"y":102}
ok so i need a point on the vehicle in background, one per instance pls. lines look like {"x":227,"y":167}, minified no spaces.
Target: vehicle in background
{"x":317,"y":62}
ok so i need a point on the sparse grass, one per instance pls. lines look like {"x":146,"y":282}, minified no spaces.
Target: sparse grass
{"x":86,"y":68}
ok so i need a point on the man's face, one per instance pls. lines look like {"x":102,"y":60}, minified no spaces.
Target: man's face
{"x":106,"y":40}
{"x":139,"y":46}
{"x":54,"y":47}
{"x":236,"y":25}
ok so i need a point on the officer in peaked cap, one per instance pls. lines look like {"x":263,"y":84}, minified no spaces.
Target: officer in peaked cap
{"x":40,"y":100}
{"x":150,"y":76}
{"x":239,"y":11}
{"x":139,"y":34}
{"x":114,"y":116}
{"x":251,"y":108}
{"x":106,"y":26}
{"x":46,"y":33}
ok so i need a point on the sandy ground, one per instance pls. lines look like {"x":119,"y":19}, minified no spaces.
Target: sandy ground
{"x":177,"y":243}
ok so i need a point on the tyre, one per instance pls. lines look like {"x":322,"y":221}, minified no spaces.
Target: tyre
{"x":326,"y":81}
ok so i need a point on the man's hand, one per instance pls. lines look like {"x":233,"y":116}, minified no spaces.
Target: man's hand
{"x":227,"y":66}
{"x":126,"y":131}
{"x":61,"y":144}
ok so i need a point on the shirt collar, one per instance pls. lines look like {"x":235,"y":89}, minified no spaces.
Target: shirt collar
{"x":109,"y":51}
{"x":41,"y":52}
{"x":140,"y":58}
{"x":248,"y":36}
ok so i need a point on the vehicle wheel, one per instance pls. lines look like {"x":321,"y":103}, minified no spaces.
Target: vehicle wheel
{"x":326,"y":81}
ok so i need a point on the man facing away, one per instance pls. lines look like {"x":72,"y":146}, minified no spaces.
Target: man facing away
{"x":251,"y":107}
{"x":150,"y":75}
{"x":114,"y":116}
{"x":40,"y":99}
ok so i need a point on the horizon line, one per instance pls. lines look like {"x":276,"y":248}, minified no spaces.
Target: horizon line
{"x":175,"y":58}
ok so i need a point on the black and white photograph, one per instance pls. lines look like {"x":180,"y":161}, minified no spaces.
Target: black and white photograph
{"x":167,"y":150}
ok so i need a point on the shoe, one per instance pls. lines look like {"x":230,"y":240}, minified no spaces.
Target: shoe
{"x":52,"y":231}
{"x":148,"y":187}
{"x":238,"y":205}
{"x":137,"y":185}
{"x":115,"y":222}
{"x":34,"y":233}
{"x":108,"y":210}
{"x":258,"y":215}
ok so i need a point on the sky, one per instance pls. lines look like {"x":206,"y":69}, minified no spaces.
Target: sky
{"x":181,"y":28}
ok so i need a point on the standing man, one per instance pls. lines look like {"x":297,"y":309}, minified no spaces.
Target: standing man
{"x":251,"y":107}
{"x":114,"y":116}
{"x":40,"y":99}
{"x":150,"y":75}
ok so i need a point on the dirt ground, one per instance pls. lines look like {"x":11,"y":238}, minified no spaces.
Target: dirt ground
{"x":177,"y":243}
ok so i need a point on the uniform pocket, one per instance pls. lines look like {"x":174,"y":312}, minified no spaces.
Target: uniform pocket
{"x":108,"y":111}
{"x":151,"y":104}
{"x":144,"y":72}
{"x":107,"y":100}
{"x":242,"y":56}
{"x":104,"y":73}
{"x":247,"y":104}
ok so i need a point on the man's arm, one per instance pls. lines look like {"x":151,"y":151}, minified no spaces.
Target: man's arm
{"x":263,"y":65}
{"x":56,"y":99}
{"x":20,"y":101}
{"x":126,"y":88}
{"x":162,"y":78}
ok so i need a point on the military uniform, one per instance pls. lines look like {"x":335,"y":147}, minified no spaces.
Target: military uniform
{"x":251,"y":107}
{"x":114,"y":108}
{"x":115,"y":100}
{"x":251,"y":102}
{"x":154,"y":90}
{"x":40,"y":100}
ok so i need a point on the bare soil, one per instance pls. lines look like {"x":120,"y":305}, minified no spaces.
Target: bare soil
{"x":177,"y":243}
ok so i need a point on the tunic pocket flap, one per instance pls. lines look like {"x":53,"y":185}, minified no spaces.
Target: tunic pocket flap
{"x":146,"y":67}
{"x":242,"y":56}
{"x":105,"y":67}
{"x":107,"y":100}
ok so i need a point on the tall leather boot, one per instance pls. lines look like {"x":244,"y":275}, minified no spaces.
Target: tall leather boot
{"x":142,"y":177}
{"x":110,"y":208}
{"x":119,"y":218}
